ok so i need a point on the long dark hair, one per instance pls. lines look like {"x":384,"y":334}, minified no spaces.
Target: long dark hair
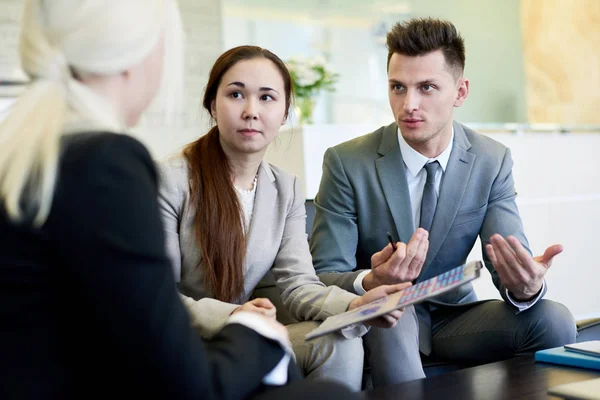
{"x":219,"y":231}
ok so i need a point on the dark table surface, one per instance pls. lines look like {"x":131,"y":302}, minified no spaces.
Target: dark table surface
{"x":518,"y":378}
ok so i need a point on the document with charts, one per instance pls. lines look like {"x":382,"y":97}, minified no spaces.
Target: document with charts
{"x":414,"y":294}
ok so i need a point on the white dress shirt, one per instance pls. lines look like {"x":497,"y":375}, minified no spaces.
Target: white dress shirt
{"x":416,"y":176}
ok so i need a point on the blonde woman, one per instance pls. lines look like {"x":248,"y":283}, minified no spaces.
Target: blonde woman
{"x":88,"y":302}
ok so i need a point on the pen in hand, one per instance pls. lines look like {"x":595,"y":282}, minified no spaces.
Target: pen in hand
{"x":389,"y":235}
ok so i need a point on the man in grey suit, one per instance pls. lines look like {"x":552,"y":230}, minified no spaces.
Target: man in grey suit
{"x":435,"y":185}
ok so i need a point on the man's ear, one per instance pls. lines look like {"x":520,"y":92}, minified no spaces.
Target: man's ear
{"x":462,"y":92}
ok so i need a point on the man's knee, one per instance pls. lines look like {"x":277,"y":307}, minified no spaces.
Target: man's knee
{"x":328,"y":357}
{"x":552,"y":323}
{"x":393,"y":354}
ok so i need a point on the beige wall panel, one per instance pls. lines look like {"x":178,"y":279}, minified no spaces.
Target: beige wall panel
{"x":561,"y":44}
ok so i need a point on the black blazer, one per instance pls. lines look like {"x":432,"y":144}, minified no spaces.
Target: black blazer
{"x":88,"y":303}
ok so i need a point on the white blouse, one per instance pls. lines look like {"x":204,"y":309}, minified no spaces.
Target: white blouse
{"x":246,"y":197}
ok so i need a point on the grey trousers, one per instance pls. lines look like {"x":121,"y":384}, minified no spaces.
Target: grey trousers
{"x":470,"y":334}
{"x":494,"y":331}
{"x":331,"y":357}
{"x":476,"y":334}
{"x":393,"y":354}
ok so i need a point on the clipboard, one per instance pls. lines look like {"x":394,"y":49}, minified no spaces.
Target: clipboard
{"x":415,"y":294}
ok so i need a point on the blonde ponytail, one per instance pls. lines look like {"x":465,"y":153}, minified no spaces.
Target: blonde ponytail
{"x":29,"y":139}
{"x":30,"y":134}
{"x":54,"y":40}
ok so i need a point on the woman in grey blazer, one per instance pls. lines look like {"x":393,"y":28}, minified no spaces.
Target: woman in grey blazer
{"x":230,"y":218}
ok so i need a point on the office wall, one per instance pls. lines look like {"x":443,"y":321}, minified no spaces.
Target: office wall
{"x":10,"y":13}
{"x":557,"y":178}
{"x":561,"y":41}
{"x":355,"y":47}
{"x":494,"y":51}
{"x":202,"y":24}
{"x":203,"y":29}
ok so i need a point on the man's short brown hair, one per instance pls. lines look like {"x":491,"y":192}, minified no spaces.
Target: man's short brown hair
{"x":420,"y":36}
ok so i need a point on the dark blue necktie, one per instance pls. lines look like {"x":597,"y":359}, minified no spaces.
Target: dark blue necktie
{"x":428,"y":204}
{"x":429,"y":201}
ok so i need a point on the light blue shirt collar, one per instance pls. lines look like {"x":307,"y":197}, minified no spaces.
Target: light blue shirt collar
{"x":415,"y":161}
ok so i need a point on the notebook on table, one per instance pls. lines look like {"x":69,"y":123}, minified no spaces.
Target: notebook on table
{"x":414,"y":294}
{"x":590,"y":348}
{"x":562,"y":356}
{"x":584,"y":390}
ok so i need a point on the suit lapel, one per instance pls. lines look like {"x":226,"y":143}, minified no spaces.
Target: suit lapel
{"x":262,"y":214}
{"x":392,"y":177}
{"x":452,"y":190}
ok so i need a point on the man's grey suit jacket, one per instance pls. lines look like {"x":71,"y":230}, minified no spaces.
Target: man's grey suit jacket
{"x":364,"y":194}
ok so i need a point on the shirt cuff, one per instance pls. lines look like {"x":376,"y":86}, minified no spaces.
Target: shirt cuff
{"x":358,"y":286}
{"x":354,"y":331}
{"x":279,"y":374}
{"x":524,"y":305}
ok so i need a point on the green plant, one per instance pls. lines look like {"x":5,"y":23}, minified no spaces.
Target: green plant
{"x":310,"y":76}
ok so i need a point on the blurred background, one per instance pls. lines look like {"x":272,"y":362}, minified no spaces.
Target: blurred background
{"x":534,"y":70}
{"x":529,"y":61}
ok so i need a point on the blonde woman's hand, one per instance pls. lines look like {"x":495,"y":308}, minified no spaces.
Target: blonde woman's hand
{"x":260,"y":306}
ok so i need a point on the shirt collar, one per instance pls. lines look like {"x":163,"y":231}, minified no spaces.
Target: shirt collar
{"x":415,"y":161}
